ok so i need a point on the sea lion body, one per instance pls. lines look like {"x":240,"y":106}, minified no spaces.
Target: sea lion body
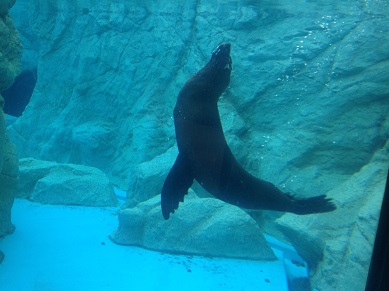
{"x":204,"y":154}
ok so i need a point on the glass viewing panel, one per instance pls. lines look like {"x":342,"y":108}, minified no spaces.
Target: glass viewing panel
{"x":194,"y":145}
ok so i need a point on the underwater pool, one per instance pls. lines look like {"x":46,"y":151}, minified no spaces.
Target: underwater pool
{"x":68,"y":248}
{"x":251,"y":139}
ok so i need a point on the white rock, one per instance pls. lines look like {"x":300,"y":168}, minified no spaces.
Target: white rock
{"x":201,"y":226}
{"x":68,"y":184}
{"x":342,"y":239}
{"x":150,"y":176}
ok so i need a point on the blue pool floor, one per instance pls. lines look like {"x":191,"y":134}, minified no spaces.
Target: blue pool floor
{"x":67,"y":248}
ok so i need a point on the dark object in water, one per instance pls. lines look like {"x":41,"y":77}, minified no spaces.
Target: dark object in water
{"x":19,"y":94}
{"x":2,"y":256}
{"x":299,"y":284}
{"x":378,"y":277}
{"x":205,"y":156}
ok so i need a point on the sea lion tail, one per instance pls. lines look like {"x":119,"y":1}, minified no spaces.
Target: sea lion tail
{"x":317,"y":204}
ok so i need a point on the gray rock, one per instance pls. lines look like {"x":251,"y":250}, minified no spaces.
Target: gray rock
{"x":343,"y":239}
{"x":10,"y":119}
{"x":68,"y":184}
{"x":201,"y":226}
{"x":151,"y":175}
{"x":10,"y":47}
{"x":9,"y":168}
{"x":5,"y":5}
{"x":10,"y":55}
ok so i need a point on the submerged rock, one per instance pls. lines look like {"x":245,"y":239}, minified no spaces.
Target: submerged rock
{"x":8,"y":176}
{"x":10,"y":47}
{"x":343,"y":239}
{"x":201,"y":226}
{"x":10,"y":56}
{"x":150,"y":175}
{"x":68,"y":184}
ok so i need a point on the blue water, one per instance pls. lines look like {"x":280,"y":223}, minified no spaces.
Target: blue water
{"x":68,"y":248}
{"x":306,"y":109}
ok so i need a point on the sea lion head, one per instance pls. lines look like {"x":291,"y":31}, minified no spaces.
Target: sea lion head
{"x":219,"y":70}
{"x":221,"y":59}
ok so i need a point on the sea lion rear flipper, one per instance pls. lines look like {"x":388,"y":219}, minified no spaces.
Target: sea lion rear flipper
{"x":176,"y":185}
{"x":316,"y":204}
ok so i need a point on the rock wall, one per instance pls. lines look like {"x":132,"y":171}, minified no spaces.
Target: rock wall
{"x":304,"y":80}
{"x":10,"y":55}
{"x":5,"y":5}
{"x":344,"y":239}
{"x":8,"y":176}
{"x":10,"y":47}
{"x":307,"y":107}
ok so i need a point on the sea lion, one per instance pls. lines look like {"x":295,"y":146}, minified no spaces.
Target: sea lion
{"x":205,"y":156}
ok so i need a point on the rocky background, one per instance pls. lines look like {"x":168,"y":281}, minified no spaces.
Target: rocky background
{"x":10,"y":61}
{"x":307,"y":107}
{"x":10,"y":57}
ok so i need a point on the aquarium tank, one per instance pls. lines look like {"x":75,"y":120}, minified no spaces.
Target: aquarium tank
{"x":194,"y":145}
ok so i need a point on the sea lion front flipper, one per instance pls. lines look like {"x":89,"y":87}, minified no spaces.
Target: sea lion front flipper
{"x":176,"y":185}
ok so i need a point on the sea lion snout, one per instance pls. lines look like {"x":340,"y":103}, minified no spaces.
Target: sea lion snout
{"x":224,"y":48}
{"x":221,"y":56}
